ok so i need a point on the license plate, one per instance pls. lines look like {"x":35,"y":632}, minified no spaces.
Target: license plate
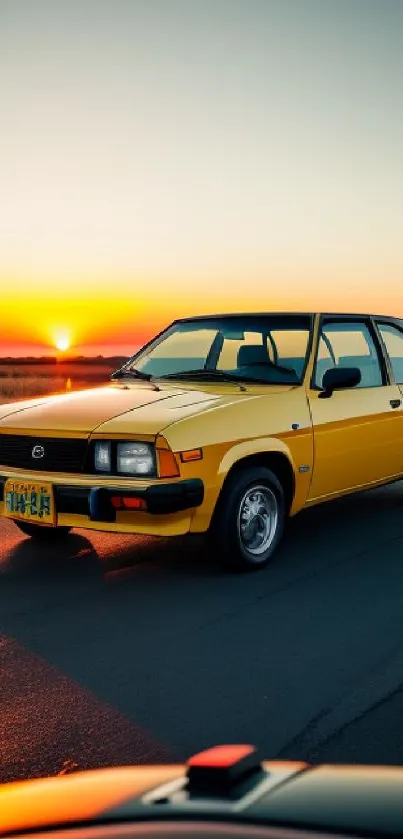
{"x":30,"y":501}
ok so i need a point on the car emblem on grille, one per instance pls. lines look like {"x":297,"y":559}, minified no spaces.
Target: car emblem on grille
{"x":38,"y":451}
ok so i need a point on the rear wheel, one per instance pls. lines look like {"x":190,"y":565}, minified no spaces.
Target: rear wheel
{"x":41,"y":533}
{"x":249,"y":520}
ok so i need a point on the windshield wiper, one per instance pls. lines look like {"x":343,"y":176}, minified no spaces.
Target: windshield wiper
{"x":241,"y":380}
{"x":131,"y":374}
{"x":134,"y":374}
{"x":205,"y":374}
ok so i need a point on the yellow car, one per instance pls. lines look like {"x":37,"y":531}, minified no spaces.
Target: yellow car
{"x":222,"y":424}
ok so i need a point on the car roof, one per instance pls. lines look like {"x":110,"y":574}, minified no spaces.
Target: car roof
{"x":341,"y":315}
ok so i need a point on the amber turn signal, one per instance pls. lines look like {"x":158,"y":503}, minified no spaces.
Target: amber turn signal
{"x":191,"y":454}
{"x":167,"y":465}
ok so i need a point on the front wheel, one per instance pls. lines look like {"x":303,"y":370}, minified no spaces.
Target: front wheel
{"x":249,"y":520}
{"x":41,"y":533}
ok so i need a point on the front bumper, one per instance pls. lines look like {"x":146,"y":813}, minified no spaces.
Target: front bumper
{"x":94,"y":502}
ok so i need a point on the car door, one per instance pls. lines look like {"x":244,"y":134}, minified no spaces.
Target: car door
{"x":358,"y":433}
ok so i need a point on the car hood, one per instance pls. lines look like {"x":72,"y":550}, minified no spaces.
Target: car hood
{"x":116,"y":408}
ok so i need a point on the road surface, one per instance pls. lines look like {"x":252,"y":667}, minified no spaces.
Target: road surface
{"x":121,"y":649}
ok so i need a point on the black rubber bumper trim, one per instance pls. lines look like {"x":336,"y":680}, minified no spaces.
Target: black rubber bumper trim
{"x":96,"y":502}
{"x":73,"y":500}
{"x":160,"y":499}
{"x":172,"y":498}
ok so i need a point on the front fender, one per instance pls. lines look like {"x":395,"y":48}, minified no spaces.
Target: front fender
{"x":297,"y":448}
{"x":264,"y":445}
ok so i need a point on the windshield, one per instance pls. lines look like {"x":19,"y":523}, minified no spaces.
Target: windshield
{"x":262,"y":348}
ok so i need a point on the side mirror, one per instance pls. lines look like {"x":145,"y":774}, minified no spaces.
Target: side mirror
{"x":339,"y":378}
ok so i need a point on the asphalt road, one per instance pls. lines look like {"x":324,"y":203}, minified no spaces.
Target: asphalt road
{"x":126,"y":650}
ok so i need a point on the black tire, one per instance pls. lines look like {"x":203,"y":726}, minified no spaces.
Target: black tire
{"x":229,"y":537}
{"x":41,"y":533}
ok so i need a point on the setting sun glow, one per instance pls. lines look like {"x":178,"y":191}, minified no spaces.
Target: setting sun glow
{"x":157,"y":164}
{"x":62,"y":342}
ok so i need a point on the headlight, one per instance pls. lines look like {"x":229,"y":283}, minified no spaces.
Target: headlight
{"x":135,"y":459}
{"x":103,"y":457}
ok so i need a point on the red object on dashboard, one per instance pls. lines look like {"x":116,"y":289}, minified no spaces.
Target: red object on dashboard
{"x":221,"y":756}
{"x":222,"y":767}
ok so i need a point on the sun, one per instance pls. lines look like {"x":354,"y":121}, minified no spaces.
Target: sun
{"x":62,"y":342}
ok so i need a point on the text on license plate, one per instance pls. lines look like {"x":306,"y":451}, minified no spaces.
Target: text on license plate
{"x":29,"y":500}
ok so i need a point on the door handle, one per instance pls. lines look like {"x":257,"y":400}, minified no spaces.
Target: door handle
{"x":395,"y":403}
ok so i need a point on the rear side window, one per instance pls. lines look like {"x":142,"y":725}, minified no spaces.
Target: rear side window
{"x":392,"y":337}
{"x":348,"y":344}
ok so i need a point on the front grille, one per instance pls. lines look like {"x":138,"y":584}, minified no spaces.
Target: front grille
{"x":59,"y":455}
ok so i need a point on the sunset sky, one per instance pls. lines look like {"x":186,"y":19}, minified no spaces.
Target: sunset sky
{"x":168,"y":157}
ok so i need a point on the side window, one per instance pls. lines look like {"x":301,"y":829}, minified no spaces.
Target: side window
{"x":326,"y":359}
{"x":348,"y":344}
{"x":393,"y":339}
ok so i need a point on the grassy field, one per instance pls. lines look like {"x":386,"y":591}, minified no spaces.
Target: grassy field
{"x":20,"y":381}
